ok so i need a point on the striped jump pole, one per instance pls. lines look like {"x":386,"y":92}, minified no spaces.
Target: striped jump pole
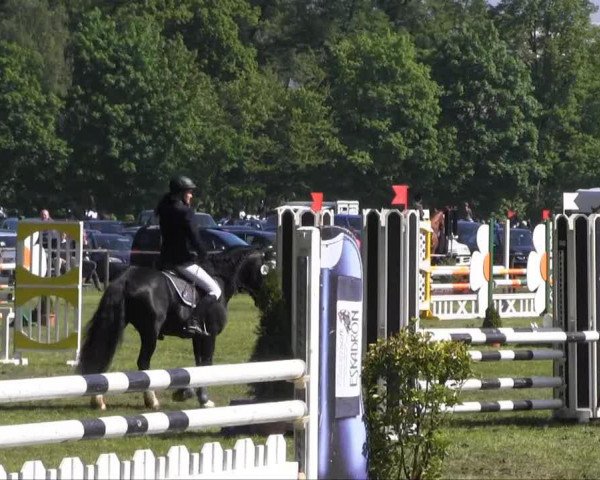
{"x":139,"y":381}
{"x":506,"y":406}
{"x":473,"y":384}
{"x":150,"y":423}
{"x":516,"y":355}
{"x":511,"y":335}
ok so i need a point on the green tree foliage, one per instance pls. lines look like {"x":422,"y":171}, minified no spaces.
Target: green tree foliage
{"x":386,"y":108}
{"x":217,"y":30}
{"x":488,"y":102}
{"x":138,"y":111}
{"x":42,"y":29}
{"x":267,"y":100}
{"x":550,"y":35}
{"x":283,"y":137}
{"x":32,"y":156}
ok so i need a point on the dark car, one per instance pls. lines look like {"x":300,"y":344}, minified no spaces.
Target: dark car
{"x":252,"y":236}
{"x":201,"y":219}
{"x":9,"y":223}
{"x":270,"y":223}
{"x":118,"y":249}
{"x":145,"y":249}
{"x":104,"y":226}
{"x":520,"y":245}
{"x":8,"y":239}
{"x":130,"y":230}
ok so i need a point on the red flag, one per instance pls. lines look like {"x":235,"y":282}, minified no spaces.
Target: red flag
{"x":401,"y":195}
{"x":511,"y":213}
{"x":317,"y":201}
{"x":546,"y":214}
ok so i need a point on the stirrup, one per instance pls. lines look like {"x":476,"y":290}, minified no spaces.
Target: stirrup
{"x":198,"y":329}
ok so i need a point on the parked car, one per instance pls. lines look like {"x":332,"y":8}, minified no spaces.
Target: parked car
{"x":8,"y":242}
{"x":104,"y":226}
{"x":145,"y":248}
{"x":130,"y":231}
{"x":201,"y":219}
{"x":119,"y":250}
{"x":521,"y":244}
{"x":270,"y":223}
{"x":8,"y":239}
{"x":252,"y":236}
{"x":146,"y":217}
{"x":9,"y":223}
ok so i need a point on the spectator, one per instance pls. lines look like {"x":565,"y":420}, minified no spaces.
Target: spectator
{"x":467,"y":213}
{"x":418,"y":205}
{"x":45,"y":215}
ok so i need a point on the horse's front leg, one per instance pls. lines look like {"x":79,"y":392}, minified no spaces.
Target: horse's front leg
{"x":147,"y":348}
{"x":204,"y":349}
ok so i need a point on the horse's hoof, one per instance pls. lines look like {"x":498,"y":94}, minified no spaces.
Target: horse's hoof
{"x":207,"y":404}
{"x":182,"y":395}
{"x":97,"y":402}
{"x":151,"y":401}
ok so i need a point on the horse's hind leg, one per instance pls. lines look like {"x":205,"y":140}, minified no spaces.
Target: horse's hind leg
{"x":147,"y":348}
{"x":204,"y":349}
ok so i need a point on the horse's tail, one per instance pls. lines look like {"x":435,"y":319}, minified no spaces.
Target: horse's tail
{"x":105,"y":330}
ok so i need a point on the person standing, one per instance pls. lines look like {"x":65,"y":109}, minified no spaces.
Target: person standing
{"x":467,"y":212}
{"x":181,"y":248}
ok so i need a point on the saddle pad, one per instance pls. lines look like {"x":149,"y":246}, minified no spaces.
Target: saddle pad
{"x":187,"y":291}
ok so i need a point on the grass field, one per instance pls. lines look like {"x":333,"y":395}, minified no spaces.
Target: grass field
{"x":501,"y":445}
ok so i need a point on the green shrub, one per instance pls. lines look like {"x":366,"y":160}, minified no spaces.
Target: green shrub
{"x":274,"y":338}
{"x":492,"y":318}
{"x":403,"y":420}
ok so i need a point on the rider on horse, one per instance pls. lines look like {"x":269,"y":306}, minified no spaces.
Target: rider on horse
{"x":182,"y":249}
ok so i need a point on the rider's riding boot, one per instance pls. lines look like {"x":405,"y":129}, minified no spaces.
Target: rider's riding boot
{"x":196,"y":323}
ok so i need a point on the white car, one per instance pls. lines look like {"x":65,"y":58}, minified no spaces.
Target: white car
{"x":459,"y":251}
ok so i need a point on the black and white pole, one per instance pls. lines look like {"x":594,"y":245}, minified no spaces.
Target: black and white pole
{"x":150,"y":423}
{"x":29,"y":389}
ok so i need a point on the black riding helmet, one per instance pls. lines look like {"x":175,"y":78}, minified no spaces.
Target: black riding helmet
{"x":181,"y":183}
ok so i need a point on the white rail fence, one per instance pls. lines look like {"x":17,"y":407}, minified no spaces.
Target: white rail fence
{"x":244,"y":460}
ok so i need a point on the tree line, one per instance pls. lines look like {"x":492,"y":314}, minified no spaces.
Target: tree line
{"x":262,"y":101}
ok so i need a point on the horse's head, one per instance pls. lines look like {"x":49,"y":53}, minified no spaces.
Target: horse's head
{"x":242,"y":268}
{"x":253,"y":270}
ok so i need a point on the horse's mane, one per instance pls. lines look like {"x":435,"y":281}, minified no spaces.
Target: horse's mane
{"x":228,"y":263}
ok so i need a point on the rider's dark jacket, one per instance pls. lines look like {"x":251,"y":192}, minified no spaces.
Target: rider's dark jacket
{"x":181,"y":244}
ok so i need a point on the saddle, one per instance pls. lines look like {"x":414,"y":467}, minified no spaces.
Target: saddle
{"x":187,"y":292}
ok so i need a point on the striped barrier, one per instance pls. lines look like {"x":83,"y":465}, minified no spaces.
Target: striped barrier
{"x":139,"y":381}
{"x":506,"y":406}
{"x":150,"y":423}
{"x":511,"y":335}
{"x":517,"y":355}
{"x":473,"y":384}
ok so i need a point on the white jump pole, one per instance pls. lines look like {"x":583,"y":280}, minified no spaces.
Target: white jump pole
{"x":81,"y":385}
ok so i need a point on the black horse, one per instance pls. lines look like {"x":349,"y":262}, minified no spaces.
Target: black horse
{"x":146,"y":299}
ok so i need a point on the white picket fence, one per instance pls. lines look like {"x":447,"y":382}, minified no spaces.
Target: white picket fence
{"x":244,"y":460}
